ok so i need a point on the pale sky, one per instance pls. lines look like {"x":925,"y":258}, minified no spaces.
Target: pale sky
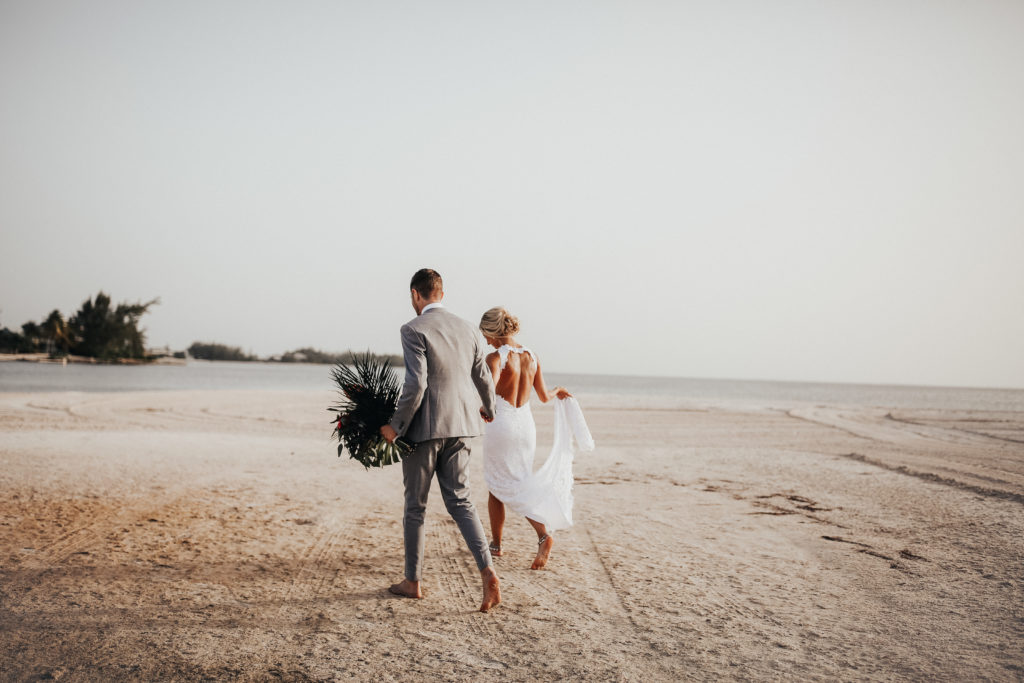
{"x":821,"y":191}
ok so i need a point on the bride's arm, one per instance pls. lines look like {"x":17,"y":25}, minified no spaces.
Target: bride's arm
{"x":542,"y":391}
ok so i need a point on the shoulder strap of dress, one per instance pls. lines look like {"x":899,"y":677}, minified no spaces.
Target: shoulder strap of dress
{"x":505,"y":349}
{"x":528,"y":352}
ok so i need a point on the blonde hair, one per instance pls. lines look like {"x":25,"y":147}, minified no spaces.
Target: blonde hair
{"x":498,"y":322}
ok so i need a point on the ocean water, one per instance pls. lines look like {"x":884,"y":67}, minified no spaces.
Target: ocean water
{"x":202,"y":375}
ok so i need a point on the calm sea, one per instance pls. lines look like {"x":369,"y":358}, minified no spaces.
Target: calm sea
{"x":44,"y":377}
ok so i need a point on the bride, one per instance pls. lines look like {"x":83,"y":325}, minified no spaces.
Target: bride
{"x":510,"y":440}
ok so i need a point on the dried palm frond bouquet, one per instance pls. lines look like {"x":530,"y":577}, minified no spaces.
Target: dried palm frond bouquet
{"x":368,"y":391}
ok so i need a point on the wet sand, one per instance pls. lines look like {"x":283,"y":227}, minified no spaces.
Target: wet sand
{"x":191,"y":535}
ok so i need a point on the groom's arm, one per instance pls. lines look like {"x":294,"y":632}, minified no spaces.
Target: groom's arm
{"x":483,"y":381}
{"x":415,"y":353}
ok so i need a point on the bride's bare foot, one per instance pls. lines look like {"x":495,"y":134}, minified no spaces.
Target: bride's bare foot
{"x":543,"y":551}
{"x":492,"y":589}
{"x":406,"y":589}
{"x":495,"y":549}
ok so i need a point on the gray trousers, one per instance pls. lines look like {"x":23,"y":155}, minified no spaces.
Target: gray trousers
{"x":449,"y":458}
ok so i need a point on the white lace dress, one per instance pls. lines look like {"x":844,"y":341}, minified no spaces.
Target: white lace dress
{"x":510,"y":443}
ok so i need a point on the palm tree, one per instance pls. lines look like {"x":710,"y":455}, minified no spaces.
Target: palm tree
{"x":55,"y":331}
{"x":31,"y":332}
{"x":104,"y":331}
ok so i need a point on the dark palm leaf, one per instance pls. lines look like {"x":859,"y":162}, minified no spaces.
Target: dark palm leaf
{"x":368,"y":391}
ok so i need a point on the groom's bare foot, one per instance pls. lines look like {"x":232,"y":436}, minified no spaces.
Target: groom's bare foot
{"x":406,"y":589}
{"x":543,"y":551}
{"x":492,"y":589}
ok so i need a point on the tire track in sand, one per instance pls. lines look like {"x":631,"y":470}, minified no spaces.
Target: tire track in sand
{"x":457,"y":588}
{"x":318,"y":564}
{"x":135,"y":510}
{"x":458,"y":581}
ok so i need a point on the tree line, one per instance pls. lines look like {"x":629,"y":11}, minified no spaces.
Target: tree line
{"x":99,"y":329}
{"x":308,"y":355}
{"x":104,"y":331}
{"x":211,"y":351}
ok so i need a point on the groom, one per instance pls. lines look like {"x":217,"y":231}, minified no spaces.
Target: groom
{"x":446,"y":382}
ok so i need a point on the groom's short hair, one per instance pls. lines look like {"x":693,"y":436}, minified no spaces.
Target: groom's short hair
{"x":427,"y":282}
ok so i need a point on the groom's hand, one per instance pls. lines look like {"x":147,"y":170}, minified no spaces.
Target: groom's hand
{"x":485,"y":416}
{"x":388,"y":433}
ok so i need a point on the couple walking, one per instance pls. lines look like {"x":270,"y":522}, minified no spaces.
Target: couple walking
{"x":449,"y":386}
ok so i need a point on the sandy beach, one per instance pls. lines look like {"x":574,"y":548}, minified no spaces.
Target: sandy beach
{"x":215,"y":535}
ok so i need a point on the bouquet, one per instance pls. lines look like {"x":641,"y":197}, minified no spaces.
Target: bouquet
{"x":368,"y":392}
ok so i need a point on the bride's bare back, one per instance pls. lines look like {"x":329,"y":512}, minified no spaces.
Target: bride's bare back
{"x":519,"y":377}
{"x":515,"y":382}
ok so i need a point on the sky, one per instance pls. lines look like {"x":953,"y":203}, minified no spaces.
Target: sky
{"x":811,"y":191}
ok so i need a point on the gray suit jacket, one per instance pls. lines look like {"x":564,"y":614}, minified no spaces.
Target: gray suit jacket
{"x":446,"y":379}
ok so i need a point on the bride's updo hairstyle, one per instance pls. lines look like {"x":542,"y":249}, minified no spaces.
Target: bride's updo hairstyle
{"x":497,"y":323}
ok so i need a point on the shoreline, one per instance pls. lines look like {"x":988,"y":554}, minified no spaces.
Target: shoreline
{"x":43,"y":358}
{"x":162,"y":360}
{"x":85,"y":360}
